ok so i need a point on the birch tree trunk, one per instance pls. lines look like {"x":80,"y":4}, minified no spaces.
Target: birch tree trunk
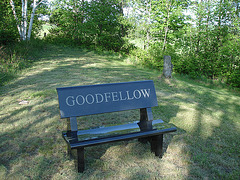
{"x":32,"y":18}
{"x":22,"y":26}
{"x":16,"y":18}
{"x":22,"y":33}
{"x":25,"y":20}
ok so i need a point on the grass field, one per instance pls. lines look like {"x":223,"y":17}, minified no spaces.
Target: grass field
{"x":206,"y":145}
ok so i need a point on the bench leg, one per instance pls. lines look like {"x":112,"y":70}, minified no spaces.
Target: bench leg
{"x":80,"y":159}
{"x":157,"y":145}
{"x":70,"y":152}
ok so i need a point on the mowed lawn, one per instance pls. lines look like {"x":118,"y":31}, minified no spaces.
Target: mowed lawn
{"x":206,"y":145}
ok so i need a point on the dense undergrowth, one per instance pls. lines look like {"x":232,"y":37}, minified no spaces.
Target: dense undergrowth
{"x":223,"y":67}
{"x":17,"y":56}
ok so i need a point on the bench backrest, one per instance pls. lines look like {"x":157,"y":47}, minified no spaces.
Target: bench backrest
{"x":102,"y":98}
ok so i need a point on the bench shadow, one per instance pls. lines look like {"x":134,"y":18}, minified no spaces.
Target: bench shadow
{"x":36,"y":142}
{"x":94,"y":154}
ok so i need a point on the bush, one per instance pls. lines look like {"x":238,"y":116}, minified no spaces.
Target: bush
{"x":153,"y":57}
{"x":7,"y":37}
{"x":139,"y":56}
{"x":17,"y":56}
{"x":233,"y":78}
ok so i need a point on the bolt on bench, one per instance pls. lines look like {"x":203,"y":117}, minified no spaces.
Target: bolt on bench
{"x":105,"y":98}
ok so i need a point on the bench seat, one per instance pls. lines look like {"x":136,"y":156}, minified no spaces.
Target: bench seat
{"x":79,"y":101}
{"x":109,"y":134}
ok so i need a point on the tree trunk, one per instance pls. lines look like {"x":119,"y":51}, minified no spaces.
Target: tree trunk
{"x":22,"y":25}
{"x":16,"y":18}
{"x":122,"y":26}
{"x":199,"y":24}
{"x":35,"y":5}
{"x":30,"y":24}
{"x":166,"y":28}
{"x":25,"y":20}
{"x":148,"y":8}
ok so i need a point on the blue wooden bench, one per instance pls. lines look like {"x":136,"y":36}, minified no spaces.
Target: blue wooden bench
{"x":105,"y":98}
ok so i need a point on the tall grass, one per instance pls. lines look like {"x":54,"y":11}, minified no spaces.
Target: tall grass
{"x":16,"y":57}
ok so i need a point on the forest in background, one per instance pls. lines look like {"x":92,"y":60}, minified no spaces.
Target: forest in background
{"x":201,"y":36}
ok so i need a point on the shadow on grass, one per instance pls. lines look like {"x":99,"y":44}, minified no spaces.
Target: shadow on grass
{"x":212,"y":128}
{"x":31,"y":134}
{"x":32,"y":146}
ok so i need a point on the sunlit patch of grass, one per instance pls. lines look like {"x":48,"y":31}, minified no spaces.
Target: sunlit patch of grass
{"x":44,"y":93}
{"x":204,"y":147}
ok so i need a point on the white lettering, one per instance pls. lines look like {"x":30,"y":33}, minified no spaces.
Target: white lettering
{"x":87,"y":99}
{"x":97,"y":98}
{"x":145,"y":92}
{"x":107,"y":96}
{"x":128,"y":97}
{"x":135,"y":94}
{"x":121,"y":98}
{"x":77,"y":101}
{"x":115,"y":96}
{"x":72,"y":101}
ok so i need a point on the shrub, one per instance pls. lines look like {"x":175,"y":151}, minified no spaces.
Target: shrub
{"x":17,"y":56}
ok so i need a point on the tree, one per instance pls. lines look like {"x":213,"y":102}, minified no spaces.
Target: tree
{"x":168,"y":18}
{"x":97,"y":23}
{"x":141,"y":16}
{"x":8,"y":31}
{"x":22,"y":24}
{"x":213,"y":42}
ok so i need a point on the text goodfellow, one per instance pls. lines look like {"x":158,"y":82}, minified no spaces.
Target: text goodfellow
{"x":107,"y":97}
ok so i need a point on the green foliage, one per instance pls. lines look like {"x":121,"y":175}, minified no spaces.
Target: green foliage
{"x":139,"y":56}
{"x":97,"y":24}
{"x":153,"y":57}
{"x":214,"y":49}
{"x":8,"y":24}
{"x":205,"y":46}
{"x":8,"y":29}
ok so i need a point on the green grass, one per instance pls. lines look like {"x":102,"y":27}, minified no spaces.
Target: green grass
{"x":18,"y":56}
{"x":206,"y":145}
